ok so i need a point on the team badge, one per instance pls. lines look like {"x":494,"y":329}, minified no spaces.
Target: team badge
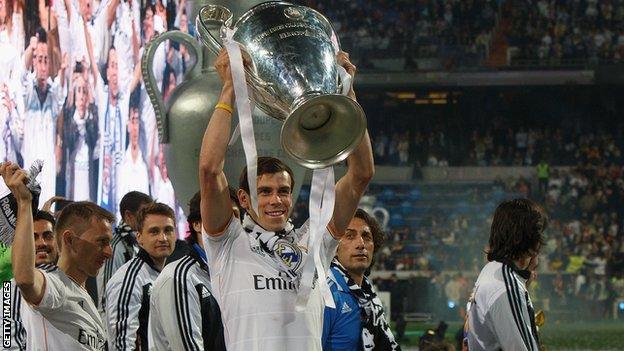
{"x":289,"y":254}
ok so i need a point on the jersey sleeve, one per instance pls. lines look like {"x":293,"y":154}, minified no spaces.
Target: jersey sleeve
{"x":509,"y":321}
{"x":123,"y":302}
{"x":218,"y":248}
{"x":180,"y":312}
{"x":54,"y":294}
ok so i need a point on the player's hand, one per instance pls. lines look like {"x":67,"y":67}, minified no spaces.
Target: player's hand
{"x":222,"y":66}
{"x":16,"y":178}
{"x":342,"y":58}
{"x":33,"y":43}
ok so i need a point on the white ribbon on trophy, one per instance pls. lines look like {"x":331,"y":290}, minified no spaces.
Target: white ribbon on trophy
{"x":244,"y":113}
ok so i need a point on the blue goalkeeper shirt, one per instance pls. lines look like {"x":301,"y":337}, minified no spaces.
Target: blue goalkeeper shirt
{"x":342,"y":326}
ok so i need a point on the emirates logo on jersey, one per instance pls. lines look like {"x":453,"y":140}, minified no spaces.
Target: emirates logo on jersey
{"x":289,"y":254}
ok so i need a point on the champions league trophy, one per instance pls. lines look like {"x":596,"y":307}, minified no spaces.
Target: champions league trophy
{"x":294,"y":77}
{"x":183,"y":117}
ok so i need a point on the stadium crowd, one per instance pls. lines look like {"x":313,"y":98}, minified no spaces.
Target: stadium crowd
{"x":499,"y":147}
{"x":581,"y":264}
{"x":452,"y":31}
{"x":73,"y":95}
{"x":549,"y":32}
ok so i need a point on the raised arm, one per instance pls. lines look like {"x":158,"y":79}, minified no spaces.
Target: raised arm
{"x":360,"y":170}
{"x":92,"y":61}
{"x":29,"y":280}
{"x":216,"y":209}
{"x":111,"y":12}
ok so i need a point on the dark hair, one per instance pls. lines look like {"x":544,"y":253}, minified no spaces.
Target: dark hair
{"x":379,"y":237}
{"x":132,"y":201}
{"x":517,"y":230}
{"x":154,"y":208}
{"x":135,"y":99}
{"x":266,"y":165}
{"x":40,"y":33}
{"x":79,"y":68}
{"x":44,"y":216}
{"x":78,"y":216}
{"x":195,"y":212}
{"x":148,"y":6}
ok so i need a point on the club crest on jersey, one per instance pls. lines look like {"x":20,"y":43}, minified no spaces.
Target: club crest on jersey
{"x":289,"y":254}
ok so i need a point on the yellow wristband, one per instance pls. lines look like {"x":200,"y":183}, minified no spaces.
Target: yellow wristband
{"x":223,"y":106}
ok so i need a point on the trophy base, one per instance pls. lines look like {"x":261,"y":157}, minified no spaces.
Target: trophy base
{"x":323,"y":130}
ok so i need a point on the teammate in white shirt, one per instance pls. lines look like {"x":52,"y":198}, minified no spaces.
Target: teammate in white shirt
{"x":128,"y":291}
{"x":254,"y":277}
{"x":46,"y":253}
{"x":500,"y":312}
{"x":193,"y":322}
{"x":124,"y":243}
{"x":59,"y":314}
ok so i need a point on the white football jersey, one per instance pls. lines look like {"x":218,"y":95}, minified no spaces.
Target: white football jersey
{"x":127,"y":303}
{"x":500,"y":313}
{"x":65,"y":319}
{"x":184,"y":314}
{"x":257,"y":301}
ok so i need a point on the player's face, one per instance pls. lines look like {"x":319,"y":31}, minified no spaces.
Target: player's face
{"x":93,"y":248}
{"x":81,"y":93}
{"x":45,"y":245}
{"x":274,"y":200}
{"x":355,"y":251}
{"x":157,"y":236}
{"x":112,"y":71}
{"x":133,"y":127}
{"x":41,"y":62}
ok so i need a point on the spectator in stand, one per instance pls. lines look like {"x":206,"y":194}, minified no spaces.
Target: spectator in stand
{"x":43,"y":101}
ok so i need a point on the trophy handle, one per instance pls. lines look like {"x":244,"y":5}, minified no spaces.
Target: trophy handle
{"x":382,"y":214}
{"x":217,"y":15}
{"x":150,"y":81}
{"x":212,"y":15}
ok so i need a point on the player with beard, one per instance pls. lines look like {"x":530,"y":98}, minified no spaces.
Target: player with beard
{"x":128,"y":291}
{"x":358,"y":322}
{"x":46,"y":254}
{"x":59,"y":314}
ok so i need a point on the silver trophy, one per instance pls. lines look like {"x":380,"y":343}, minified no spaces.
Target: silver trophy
{"x":293,"y":77}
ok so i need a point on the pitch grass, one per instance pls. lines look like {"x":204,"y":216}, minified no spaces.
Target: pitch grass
{"x":599,"y":336}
